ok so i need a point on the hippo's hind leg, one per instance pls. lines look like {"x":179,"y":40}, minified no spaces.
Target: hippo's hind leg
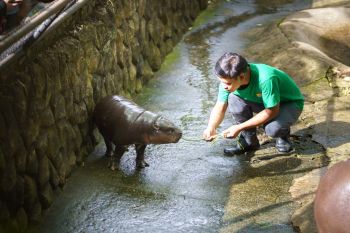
{"x":115,"y":159}
{"x":109,"y":147}
{"x":140,"y":156}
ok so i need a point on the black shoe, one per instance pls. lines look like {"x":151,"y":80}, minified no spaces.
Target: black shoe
{"x":241,"y":147}
{"x":283,"y":145}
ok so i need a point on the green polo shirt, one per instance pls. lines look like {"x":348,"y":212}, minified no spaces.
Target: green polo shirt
{"x":269,"y":86}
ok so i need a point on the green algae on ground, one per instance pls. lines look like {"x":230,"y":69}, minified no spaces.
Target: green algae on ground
{"x":206,"y":15}
{"x":171,"y":59}
{"x":188,"y":118}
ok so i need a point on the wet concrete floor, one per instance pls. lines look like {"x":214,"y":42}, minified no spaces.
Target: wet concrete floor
{"x":188,"y":186}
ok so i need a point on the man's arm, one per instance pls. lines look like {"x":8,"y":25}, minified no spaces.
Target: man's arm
{"x":262,"y":117}
{"x":216,"y":117}
{"x":217,"y":114}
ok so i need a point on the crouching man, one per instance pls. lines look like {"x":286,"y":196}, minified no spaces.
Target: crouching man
{"x":255,"y":94}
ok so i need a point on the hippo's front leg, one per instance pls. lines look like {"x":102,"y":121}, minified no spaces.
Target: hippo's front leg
{"x":140,"y":156}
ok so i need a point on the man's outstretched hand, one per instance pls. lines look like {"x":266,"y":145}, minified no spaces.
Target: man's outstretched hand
{"x":231,"y":132}
{"x":209,"y":134}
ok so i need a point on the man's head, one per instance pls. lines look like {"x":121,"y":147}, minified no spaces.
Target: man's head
{"x":230,"y":65}
{"x":230,"y":69}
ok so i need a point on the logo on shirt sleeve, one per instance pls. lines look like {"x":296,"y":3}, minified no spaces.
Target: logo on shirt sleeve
{"x":258,"y":95}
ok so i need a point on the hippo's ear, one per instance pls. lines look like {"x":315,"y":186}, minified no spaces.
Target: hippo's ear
{"x":156,"y":125}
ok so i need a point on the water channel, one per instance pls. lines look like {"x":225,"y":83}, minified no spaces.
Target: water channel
{"x":187,"y":186}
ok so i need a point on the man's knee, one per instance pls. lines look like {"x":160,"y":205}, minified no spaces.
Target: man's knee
{"x":275,"y":130}
{"x":236,"y":105}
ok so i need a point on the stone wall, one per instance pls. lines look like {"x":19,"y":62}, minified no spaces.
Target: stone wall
{"x":47,"y":96}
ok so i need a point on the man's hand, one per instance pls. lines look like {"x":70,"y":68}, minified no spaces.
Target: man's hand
{"x":209,"y":134}
{"x":232,"y":132}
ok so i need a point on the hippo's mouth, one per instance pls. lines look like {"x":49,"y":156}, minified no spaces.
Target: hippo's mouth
{"x":178,"y":137}
{"x":164,"y":138}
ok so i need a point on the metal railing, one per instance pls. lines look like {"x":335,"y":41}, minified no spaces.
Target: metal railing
{"x":58,"y":11}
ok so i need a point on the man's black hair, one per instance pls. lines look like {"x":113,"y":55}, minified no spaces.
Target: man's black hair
{"x":230,"y":65}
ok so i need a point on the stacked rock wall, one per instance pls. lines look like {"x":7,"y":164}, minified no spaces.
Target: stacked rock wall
{"x":47,"y":96}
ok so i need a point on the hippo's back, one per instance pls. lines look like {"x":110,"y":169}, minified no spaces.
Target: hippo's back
{"x":114,"y":116}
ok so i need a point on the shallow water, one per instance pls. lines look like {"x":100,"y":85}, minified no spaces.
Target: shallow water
{"x":187,"y":185}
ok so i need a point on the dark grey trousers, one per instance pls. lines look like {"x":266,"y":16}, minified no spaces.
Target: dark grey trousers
{"x":242,"y":110}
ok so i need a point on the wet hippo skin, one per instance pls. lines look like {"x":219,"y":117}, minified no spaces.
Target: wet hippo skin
{"x":122,"y":122}
{"x":332,"y":201}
